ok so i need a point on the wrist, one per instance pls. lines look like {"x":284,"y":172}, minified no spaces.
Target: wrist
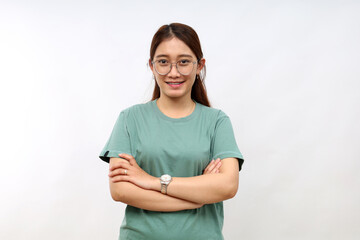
{"x":155,"y":184}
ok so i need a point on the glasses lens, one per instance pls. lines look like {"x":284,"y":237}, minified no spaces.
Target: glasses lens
{"x":162,"y":67}
{"x":184,"y":67}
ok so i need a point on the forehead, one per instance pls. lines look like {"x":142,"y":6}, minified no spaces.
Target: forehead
{"x":173,"y":47}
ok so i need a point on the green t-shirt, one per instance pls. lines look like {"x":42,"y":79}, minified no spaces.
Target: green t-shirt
{"x":181,"y":147}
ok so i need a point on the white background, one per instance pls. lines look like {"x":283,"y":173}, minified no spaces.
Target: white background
{"x":286,"y":72}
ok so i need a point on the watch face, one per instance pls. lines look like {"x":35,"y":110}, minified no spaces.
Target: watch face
{"x":165,"y":178}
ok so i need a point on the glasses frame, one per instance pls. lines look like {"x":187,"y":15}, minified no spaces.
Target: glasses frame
{"x":171,"y":64}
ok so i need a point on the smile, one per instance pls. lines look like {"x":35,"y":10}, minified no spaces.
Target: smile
{"x":175,"y":84}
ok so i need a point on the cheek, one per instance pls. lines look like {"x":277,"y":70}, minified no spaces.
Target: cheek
{"x":159,"y":79}
{"x":192,"y":81}
{"x":193,"y":78}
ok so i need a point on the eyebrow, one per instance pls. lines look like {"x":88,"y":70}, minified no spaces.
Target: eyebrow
{"x":182,"y":55}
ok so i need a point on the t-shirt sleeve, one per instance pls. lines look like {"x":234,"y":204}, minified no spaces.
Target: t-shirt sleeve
{"x":223,"y":142}
{"x":119,"y":141}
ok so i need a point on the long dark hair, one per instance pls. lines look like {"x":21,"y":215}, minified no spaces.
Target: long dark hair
{"x":190,"y":38}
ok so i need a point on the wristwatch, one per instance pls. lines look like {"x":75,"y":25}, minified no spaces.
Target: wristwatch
{"x":165,"y":181}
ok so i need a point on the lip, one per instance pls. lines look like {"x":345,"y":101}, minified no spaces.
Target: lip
{"x":175,"y":85}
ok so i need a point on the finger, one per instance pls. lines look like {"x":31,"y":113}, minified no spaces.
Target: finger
{"x":217,"y":167}
{"x":117,"y":161}
{"x":125,"y":156}
{"x":118,"y":171}
{"x":218,"y":163}
{"x":120,"y":178}
{"x":124,"y":164}
{"x":206,"y":170}
{"x":128,"y":157}
{"x":213,"y":166}
{"x":208,"y":166}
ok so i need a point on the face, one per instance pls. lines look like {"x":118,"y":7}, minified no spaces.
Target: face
{"x":175,"y":85}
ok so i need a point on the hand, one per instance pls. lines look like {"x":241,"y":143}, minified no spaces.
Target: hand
{"x":213,"y":167}
{"x":129,"y":171}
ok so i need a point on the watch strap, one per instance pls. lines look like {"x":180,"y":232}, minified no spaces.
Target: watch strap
{"x":164,"y":188}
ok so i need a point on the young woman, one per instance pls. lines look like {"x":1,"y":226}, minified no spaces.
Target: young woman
{"x":173,"y":160}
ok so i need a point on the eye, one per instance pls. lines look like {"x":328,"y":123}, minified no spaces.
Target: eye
{"x":162,"y":62}
{"x":184,"y":62}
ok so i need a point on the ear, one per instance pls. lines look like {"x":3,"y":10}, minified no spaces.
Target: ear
{"x":151,"y":65}
{"x":152,"y":69}
{"x":201,"y":65}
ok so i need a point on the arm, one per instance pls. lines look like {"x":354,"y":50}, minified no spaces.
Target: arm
{"x":133,"y":195}
{"x":204,"y":189}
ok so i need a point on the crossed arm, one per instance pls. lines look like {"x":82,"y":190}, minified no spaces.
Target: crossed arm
{"x":139,"y":189}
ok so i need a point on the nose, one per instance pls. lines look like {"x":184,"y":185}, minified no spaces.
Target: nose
{"x":173,"y":71}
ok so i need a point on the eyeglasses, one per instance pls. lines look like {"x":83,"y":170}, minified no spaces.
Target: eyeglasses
{"x":163,"y":67}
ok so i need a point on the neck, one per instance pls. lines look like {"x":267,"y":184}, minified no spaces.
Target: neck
{"x":176,"y":107}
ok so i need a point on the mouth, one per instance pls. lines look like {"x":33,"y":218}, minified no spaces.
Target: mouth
{"x":175,"y":84}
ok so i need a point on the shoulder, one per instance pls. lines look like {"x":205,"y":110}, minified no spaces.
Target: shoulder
{"x":212,"y":113}
{"x":137,"y":110}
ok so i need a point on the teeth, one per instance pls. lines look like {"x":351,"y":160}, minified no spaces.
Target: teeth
{"x":175,"y":83}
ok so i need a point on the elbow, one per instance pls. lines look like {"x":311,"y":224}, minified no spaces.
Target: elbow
{"x":118,"y":197}
{"x":115,"y":196}
{"x":231,"y":191}
{"x":227,"y":192}
{"x":117,"y":193}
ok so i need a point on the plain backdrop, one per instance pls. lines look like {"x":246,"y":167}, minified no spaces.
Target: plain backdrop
{"x":286,"y":72}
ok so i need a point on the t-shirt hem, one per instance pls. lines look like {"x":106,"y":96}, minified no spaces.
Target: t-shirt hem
{"x":229,"y":154}
{"x":105,"y":155}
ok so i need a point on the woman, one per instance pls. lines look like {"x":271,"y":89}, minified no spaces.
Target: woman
{"x":161,"y":152}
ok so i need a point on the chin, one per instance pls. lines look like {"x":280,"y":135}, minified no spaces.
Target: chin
{"x":175,"y":96}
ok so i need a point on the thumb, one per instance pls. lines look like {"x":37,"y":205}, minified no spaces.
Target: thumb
{"x":133,"y":161}
{"x":129,"y":158}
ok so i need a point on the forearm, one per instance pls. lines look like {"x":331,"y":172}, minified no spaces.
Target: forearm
{"x":204,"y":189}
{"x":207,"y":188}
{"x":133,"y":195}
